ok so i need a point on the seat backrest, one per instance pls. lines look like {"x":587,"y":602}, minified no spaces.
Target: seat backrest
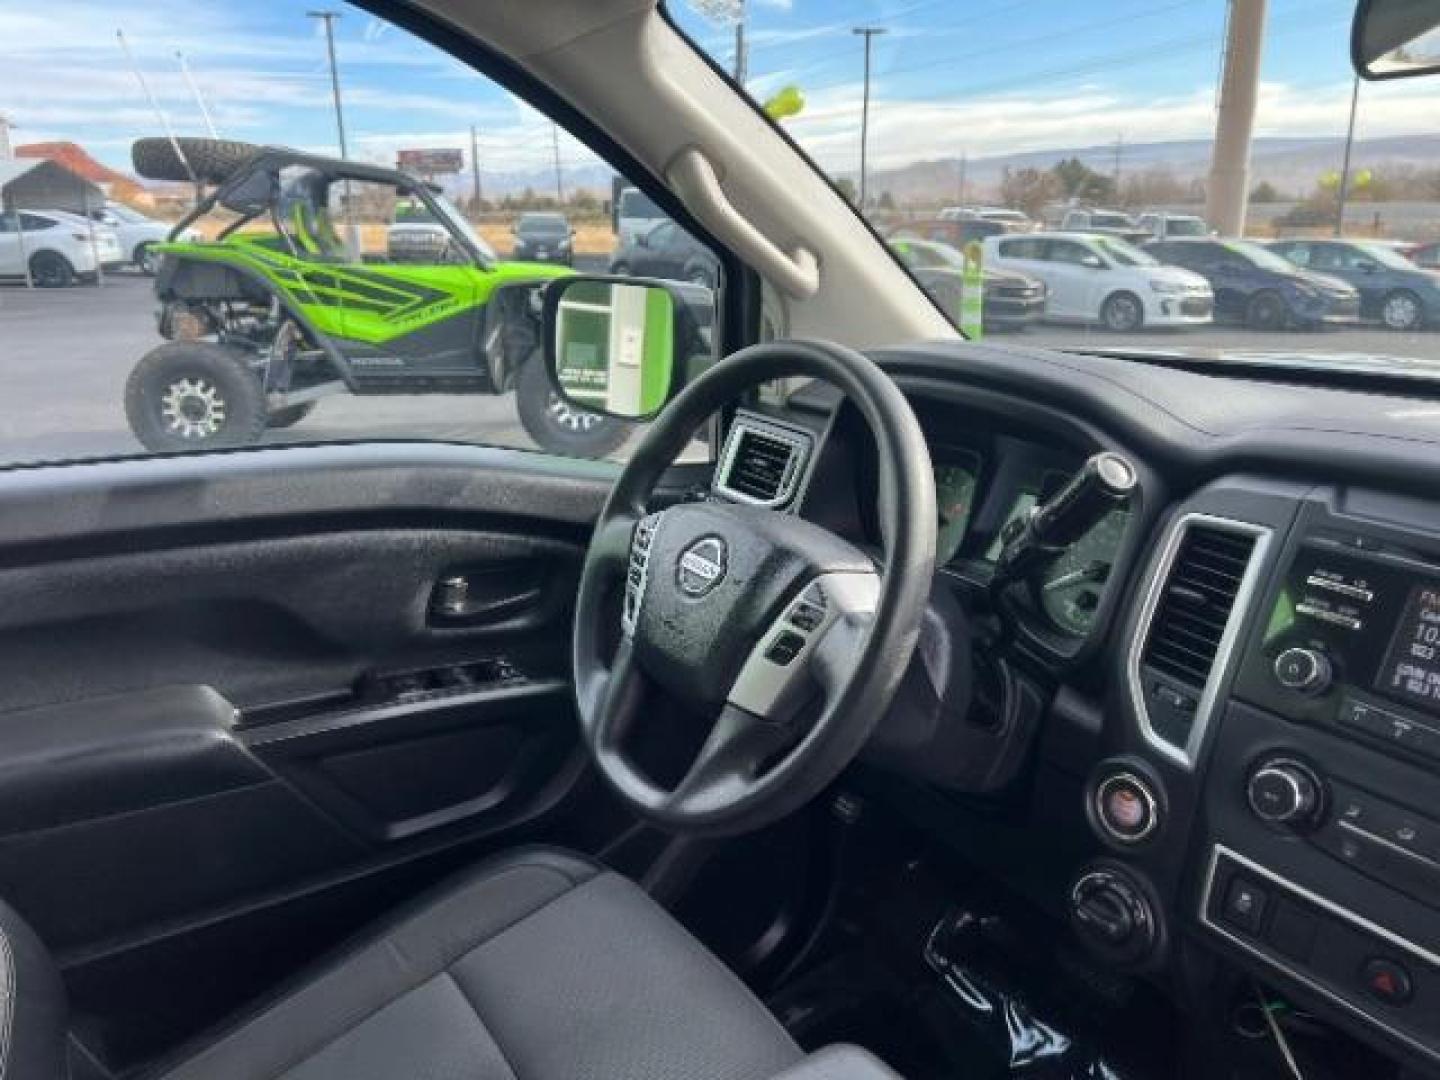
{"x":33,"y":1012}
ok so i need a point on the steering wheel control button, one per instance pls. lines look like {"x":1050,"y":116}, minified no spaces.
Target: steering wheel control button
{"x":1387,"y":981}
{"x":807,"y":616}
{"x":1305,"y":671}
{"x":1284,"y":792}
{"x":640,"y":543}
{"x":1126,"y":808}
{"x":785,"y":648}
{"x":1245,"y":905}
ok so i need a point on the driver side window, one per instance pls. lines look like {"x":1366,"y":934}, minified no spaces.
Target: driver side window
{"x":314,"y":292}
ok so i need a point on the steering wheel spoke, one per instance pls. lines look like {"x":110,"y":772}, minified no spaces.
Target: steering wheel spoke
{"x":811,"y":647}
{"x":729,"y":761}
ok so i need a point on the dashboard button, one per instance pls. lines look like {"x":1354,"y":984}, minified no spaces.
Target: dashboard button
{"x":1245,"y":904}
{"x":1387,"y":981}
{"x":1284,"y":792}
{"x":1126,"y":807}
{"x":1306,"y":671}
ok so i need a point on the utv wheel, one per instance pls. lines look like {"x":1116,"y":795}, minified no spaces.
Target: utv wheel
{"x":1266,"y":312}
{"x":556,"y":425}
{"x":146,"y":259}
{"x":1122,"y":313}
{"x":195,"y":395}
{"x":212,"y":160}
{"x":51,"y":270}
{"x":1402,"y":310}
{"x":290,"y":415}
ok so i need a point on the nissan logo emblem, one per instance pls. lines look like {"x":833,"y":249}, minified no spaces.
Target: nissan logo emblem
{"x":702,"y":566}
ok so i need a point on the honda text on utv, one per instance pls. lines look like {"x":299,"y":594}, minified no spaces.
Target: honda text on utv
{"x":286,"y":304}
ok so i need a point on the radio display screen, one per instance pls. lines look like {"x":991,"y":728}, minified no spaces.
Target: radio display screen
{"x":1411,"y":669}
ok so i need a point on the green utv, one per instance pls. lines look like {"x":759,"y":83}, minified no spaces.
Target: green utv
{"x":328,"y":277}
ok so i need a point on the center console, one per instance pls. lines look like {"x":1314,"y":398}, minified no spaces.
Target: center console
{"x":1322,"y":791}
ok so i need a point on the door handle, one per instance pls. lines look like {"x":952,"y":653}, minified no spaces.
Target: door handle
{"x":485,"y":596}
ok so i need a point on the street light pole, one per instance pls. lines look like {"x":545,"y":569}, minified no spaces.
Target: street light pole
{"x":1345,"y":164}
{"x":328,"y":18}
{"x":868,"y":33}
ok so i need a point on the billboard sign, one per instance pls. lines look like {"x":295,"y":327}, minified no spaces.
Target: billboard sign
{"x":430,"y":162}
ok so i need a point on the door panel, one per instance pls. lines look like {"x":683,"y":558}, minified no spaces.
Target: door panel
{"x":236,"y":690}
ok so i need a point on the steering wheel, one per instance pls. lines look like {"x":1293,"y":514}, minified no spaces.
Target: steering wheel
{"x":789,"y":636}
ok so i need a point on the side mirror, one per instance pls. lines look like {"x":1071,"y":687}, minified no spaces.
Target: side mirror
{"x":1395,"y":39}
{"x":616,"y":346}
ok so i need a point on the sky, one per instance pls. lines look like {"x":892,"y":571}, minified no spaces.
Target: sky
{"x":983,"y":77}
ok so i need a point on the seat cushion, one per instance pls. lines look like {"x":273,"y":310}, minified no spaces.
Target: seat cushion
{"x":539,"y":965}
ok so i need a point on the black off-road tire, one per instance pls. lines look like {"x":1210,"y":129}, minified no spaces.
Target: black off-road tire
{"x":213,"y":160}
{"x":558,"y":427}
{"x":290,"y":415}
{"x":51,"y":270}
{"x":145,"y":258}
{"x":198,"y":373}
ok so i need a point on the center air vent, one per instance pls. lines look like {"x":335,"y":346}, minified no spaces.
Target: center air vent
{"x":1190,"y":626}
{"x":761,"y":465}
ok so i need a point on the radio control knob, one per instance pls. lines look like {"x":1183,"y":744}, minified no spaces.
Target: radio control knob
{"x":1306,"y":671}
{"x":1284,"y":793}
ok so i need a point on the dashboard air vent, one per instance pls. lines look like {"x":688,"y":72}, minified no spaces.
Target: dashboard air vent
{"x":1196,"y":604}
{"x":761,"y":466}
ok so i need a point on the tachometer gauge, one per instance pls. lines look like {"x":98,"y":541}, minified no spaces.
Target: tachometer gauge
{"x":954,"y":501}
{"x":1071,"y":587}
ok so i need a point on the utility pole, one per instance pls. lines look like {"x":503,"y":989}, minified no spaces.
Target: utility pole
{"x":195,"y":92}
{"x":475,"y":192}
{"x":7,"y":152}
{"x":328,"y":18}
{"x":1345,"y":165}
{"x":1227,"y":194}
{"x":740,"y":57}
{"x":868,"y":33}
{"x":559,"y":179}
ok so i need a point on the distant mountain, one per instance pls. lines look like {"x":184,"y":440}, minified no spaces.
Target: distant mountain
{"x":1292,"y":165}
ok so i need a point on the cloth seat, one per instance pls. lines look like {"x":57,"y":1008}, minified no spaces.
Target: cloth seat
{"x":538,"y":965}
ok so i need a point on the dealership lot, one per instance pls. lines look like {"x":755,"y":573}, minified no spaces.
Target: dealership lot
{"x":65,"y":355}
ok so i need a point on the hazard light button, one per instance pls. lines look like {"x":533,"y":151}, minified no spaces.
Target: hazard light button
{"x":1387,"y":981}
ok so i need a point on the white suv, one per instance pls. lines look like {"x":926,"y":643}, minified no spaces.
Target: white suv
{"x":138,"y":234}
{"x":58,"y":247}
{"x":1104,"y":279}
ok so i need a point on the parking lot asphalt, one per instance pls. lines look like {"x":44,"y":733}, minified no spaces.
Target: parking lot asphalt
{"x":65,"y":355}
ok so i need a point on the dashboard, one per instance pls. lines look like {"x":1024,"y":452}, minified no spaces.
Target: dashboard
{"x":1219,"y":707}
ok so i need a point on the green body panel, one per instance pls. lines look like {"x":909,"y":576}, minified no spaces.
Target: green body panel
{"x":372,"y":303}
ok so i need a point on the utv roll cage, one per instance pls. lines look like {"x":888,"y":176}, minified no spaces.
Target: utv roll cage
{"x":255,"y":188}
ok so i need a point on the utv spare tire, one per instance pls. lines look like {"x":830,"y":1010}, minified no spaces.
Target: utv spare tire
{"x":195,"y":395}
{"x":213,"y":160}
{"x":559,"y":427}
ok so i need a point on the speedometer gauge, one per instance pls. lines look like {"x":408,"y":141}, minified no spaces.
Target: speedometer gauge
{"x":1071,"y":587}
{"x":954,"y":501}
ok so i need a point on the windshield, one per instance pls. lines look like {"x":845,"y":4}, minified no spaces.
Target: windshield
{"x":1260,"y":256}
{"x":1125,"y":254}
{"x":1088,"y":116}
{"x":1185,"y":227}
{"x":543,"y":225}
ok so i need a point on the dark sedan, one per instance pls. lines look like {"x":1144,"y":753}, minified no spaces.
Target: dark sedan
{"x":1011,"y":301}
{"x":1393,"y":290}
{"x":545,"y":238}
{"x":667,"y":251}
{"x":1256,"y":287}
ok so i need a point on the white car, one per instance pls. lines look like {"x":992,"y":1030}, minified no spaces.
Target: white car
{"x":137,"y":233}
{"x":1163,"y":226}
{"x":58,"y":247}
{"x":1102,"y":279}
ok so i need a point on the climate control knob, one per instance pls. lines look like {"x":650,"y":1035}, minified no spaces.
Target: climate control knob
{"x":1306,"y":671}
{"x":1285,"y":792}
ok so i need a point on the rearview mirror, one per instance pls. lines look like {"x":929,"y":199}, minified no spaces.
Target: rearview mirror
{"x":613,"y":345}
{"x":1395,"y":39}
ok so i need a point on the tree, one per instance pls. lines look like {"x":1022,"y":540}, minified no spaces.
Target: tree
{"x":1265,"y":192}
{"x":846,"y":187}
{"x":1155,"y":186}
{"x":1028,"y":189}
{"x":1079,"y":181}
{"x":886,"y":201}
